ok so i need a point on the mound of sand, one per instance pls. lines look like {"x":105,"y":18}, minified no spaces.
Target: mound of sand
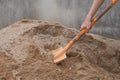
{"x":25,"y":53}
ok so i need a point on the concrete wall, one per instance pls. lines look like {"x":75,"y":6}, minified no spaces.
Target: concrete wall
{"x":69,"y":12}
{"x":10,"y":11}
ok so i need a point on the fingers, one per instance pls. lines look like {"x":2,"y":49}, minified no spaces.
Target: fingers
{"x":86,"y":25}
{"x":82,"y":28}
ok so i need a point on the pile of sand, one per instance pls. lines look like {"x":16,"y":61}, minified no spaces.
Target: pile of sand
{"x":25,"y":53}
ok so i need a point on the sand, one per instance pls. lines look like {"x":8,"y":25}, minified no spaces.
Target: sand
{"x":25,"y":53}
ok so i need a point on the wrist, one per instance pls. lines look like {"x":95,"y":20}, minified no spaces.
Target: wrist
{"x":88,"y":18}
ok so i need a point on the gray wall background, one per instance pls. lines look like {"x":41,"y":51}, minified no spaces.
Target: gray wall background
{"x":68,"y":12}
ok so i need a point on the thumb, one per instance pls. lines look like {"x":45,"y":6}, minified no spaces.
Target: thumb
{"x":81,"y":28}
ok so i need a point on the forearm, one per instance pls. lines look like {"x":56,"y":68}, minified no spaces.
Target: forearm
{"x":95,"y":6}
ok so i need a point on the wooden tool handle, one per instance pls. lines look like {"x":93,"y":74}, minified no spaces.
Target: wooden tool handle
{"x":85,"y":30}
{"x":95,"y":19}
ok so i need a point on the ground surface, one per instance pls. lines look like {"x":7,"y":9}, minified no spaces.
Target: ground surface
{"x":25,"y":53}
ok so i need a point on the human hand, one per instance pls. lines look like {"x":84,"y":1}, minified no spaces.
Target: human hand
{"x":85,"y":24}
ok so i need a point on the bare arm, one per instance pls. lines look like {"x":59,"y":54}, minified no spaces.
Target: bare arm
{"x":95,"y":6}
